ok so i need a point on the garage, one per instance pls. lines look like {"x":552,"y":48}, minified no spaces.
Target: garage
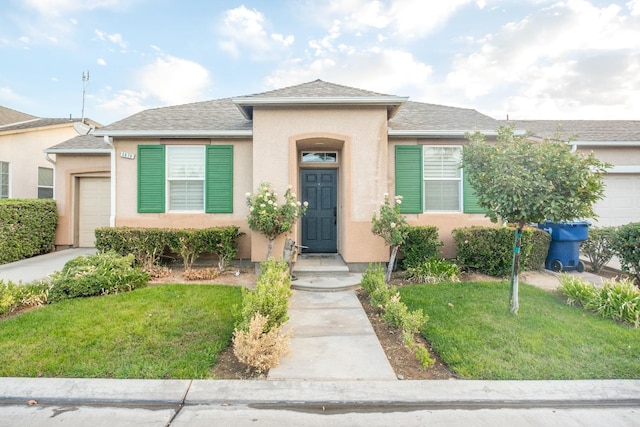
{"x":94,"y":208}
{"x":621,"y":204}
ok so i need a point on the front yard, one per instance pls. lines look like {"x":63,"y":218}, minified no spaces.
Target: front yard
{"x":182,"y":331}
{"x":168,"y":331}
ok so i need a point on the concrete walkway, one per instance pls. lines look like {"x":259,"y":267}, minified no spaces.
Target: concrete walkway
{"x":40,"y":267}
{"x":332,"y":339}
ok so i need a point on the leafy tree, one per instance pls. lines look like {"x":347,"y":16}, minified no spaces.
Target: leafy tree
{"x":392,"y":227}
{"x":269,"y":217}
{"x":521,"y":181}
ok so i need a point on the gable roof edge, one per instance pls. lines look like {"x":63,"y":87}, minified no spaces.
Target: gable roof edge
{"x":246,"y":103}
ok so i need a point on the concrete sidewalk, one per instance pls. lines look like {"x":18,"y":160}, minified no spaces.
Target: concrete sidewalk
{"x":332,"y":339}
{"x":98,"y":402}
{"x":40,"y":267}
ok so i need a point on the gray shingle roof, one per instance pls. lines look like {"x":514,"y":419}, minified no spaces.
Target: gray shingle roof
{"x":224,"y":115}
{"x":9,"y":116}
{"x":421,"y":116}
{"x":82,"y":143}
{"x":583,"y":130}
{"x":220,"y":114}
{"x":318,"y":89}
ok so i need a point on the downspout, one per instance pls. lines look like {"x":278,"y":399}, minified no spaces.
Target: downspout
{"x":53,"y":162}
{"x":574,"y":147}
{"x":112,"y":214}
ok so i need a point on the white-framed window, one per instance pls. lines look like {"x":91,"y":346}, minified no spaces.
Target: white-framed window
{"x":442,"y":178}
{"x":4,"y":180}
{"x":45,"y":183}
{"x":185,"y":178}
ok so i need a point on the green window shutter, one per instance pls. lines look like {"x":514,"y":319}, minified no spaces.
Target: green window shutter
{"x":409,"y":177}
{"x":469,"y":198}
{"x":151,"y":178}
{"x":219,"y":179}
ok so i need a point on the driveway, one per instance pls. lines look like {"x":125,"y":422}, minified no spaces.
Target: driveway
{"x":41,"y":266}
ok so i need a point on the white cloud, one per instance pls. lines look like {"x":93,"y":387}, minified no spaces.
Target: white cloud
{"x":571,"y":58}
{"x":387,"y":71}
{"x":243,"y":30}
{"x":121,"y":103}
{"x":101,"y":61}
{"x":113,"y":38}
{"x":403,"y":18}
{"x":61,"y":7}
{"x":634,"y":7}
{"x":174,"y":80}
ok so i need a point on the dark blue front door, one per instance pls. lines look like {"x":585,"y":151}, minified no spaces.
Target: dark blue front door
{"x":319,"y":188}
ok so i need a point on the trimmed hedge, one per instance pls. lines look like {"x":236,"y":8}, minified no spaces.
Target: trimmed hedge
{"x":625,"y":242}
{"x":490,"y":249}
{"x":422,"y":243}
{"x":27,"y":228}
{"x":148,"y":245}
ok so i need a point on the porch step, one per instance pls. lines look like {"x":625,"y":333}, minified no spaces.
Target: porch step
{"x":315,"y":264}
{"x":323,"y":273}
{"x":326,"y":282}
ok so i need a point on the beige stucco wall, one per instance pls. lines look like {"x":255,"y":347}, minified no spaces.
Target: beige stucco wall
{"x":23,"y":149}
{"x":126,"y":195}
{"x":617,"y":156}
{"x":446,"y":222}
{"x":69,"y":168}
{"x":360,"y":137}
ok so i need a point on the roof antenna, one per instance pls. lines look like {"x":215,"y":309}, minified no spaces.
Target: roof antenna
{"x":85,"y":79}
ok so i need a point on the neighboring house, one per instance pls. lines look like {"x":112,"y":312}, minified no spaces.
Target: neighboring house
{"x":340,"y":148}
{"x":83,"y":189}
{"x":24,"y":171}
{"x":613,"y":141}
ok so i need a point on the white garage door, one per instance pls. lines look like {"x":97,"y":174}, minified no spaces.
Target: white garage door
{"x":94,"y":208}
{"x":621,"y":204}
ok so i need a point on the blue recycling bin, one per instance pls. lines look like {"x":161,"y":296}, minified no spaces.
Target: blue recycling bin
{"x":564,"y":250}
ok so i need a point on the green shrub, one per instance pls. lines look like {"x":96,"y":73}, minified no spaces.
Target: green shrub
{"x":270,"y":297}
{"x":615,"y":299}
{"x":27,"y":228}
{"x":598,"y":247}
{"x":148,"y":245}
{"x":422,"y":243}
{"x":577,"y":291}
{"x":626,"y":244}
{"x":434,"y":271}
{"x":189,"y":243}
{"x":15,"y":296}
{"x":222,"y":241}
{"x":490,"y":249}
{"x":100,"y":274}
{"x":394,"y":312}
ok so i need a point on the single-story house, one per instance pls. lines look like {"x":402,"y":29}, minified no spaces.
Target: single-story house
{"x":25,"y":173}
{"x":616,"y":142}
{"x":340,"y":148}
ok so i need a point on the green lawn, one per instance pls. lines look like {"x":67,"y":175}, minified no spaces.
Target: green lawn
{"x":169,"y":331}
{"x":470,"y":326}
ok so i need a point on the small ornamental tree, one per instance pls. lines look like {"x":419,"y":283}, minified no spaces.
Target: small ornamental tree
{"x":270,"y":218}
{"x":392,"y":227}
{"x":521,"y":181}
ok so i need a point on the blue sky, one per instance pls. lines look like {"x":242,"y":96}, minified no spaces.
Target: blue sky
{"x":530,"y":59}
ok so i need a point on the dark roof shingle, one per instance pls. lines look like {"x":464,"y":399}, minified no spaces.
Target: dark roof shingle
{"x":583,"y":130}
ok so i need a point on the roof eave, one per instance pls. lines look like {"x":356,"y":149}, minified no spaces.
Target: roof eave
{"x":606,"y":143}
{"x":77,"y":151}
{"x":174,"y":133}
{"x":452,"y":133}
{"x":245,"y":104}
